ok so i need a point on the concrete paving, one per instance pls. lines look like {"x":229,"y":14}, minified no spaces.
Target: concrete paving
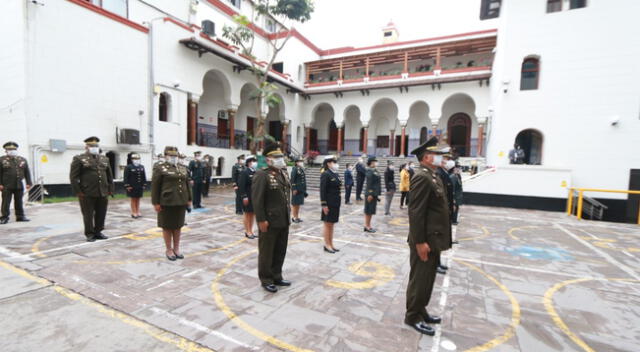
{"x":519,"y":280}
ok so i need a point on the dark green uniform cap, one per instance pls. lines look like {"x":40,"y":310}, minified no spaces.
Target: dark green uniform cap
{"x":92,"y":141}
{"x":371,"y":159}
{"x":10,"y":146}
{"x":430,"y":146}
{"x":170,"y":150}
{"x":271,"y":149}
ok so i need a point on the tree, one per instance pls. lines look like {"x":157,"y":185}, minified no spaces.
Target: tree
{"x":242,"y":35}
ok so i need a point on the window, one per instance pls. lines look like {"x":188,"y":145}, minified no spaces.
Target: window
{"x":163,"y":107}
{"x":235,"y":3}
{"x":489,"y":9}
{"x":530,"y":74}
{"x":382,"y":142}
{"x":278,"y":66}
{"x":388,"y":34}
{"x":577,"y":4}
{"x":119,"y":7}
{"x":554,"y":5}
{"x":271,"y":26}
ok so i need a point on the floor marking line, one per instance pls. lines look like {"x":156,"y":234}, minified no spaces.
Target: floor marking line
{"x":515,"y":312}
{"x":514,"y":229}
{"x":517,"y":267}
{"x":160,"y":285}
{"x":444,"y":294}
{"x":547,"y":300}
{"x":151,"y":330}
{"x":606,"y":256}
{"x":485,"y":234}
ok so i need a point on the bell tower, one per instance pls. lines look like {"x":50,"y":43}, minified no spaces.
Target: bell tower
{"x":390,"y":33}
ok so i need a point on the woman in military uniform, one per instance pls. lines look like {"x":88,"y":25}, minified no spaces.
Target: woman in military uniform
{"x":171,"y":197}
{"x":244,"y":187}
{"x":135,"y":179}
{"x":330,"y":200}
{"x":299,"y":189}
{"x":373,"y":190}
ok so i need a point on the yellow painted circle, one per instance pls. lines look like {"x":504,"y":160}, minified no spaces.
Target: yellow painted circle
{"x":379,"y":275}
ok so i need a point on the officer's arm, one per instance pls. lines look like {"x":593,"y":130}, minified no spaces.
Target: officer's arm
{"x":234,"y":175}
{"x":125,"y":177}
{"x":242,"y":188}
{"x":110,"y":179}
{"x":294,"y":174}
{"x":27,"y":174}
{"x":74,"y":174}
{"x":144,"y":175}
{"x":186,"y":183}
{"x":156,"y":186}
{"x":258,"y":190}
{"x":324,"y":180}
{"x":420,"y":191}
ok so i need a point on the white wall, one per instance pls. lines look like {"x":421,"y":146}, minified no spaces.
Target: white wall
{"x":523,"y":180}
{"x":589,"y":74}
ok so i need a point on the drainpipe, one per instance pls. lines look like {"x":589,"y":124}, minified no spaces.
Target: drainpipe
{"x":151,"y":115}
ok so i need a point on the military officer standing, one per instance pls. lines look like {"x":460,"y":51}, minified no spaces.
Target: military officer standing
{"x":196,"y":169}
{"x":372,"y":195}
{"x":443,"y":174}
{"x":236,"y":170}
{"x":208,"y":172}
{"x":428,"y":235}
{"x":244,"y":187}
{"x":92,"y":181}
{"x":13,"y":170}
{"x":330,"y":200}
{"x":271,"y":197}
{"x":299,"y":188}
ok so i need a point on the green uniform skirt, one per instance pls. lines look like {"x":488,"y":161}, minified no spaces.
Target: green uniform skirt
{"x":172,"y":217}
{"x":370,"y":207}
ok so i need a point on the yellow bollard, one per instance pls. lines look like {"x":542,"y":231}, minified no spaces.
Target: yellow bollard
{"x":570,"y":201}
{"x":579,"y":204}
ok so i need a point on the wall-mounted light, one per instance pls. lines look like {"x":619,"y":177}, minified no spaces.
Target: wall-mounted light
{"x":505,"y":86}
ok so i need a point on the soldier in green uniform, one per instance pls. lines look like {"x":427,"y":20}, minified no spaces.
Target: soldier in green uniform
{"x":236,"y":170}
{"x":159,"y":160}
{"x":372,"y":195}
{"x":299,"y":188}
{"x":171,"y":198}
{"x":197,"y":172}
{"x":92,"y":181}
{"x":13,"y":170}
{"x":271,"y":197}
{"x":429,"y":234}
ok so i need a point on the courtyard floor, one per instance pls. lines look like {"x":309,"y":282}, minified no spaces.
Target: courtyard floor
{"x":519,"y":280}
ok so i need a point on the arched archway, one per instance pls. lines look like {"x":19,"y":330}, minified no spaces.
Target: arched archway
{"x":530,"y":140}
{"x":246,"y":119}
{"x":383,"y":126}
{"x":212,"y":124}
{"x":220,"y":166}
{"x":322,"y":117}
{"x":459,"y":133}
{"x":418,"y":125}
{"x":353,"y":134}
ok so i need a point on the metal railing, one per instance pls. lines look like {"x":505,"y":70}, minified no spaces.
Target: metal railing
{"x":37,"y":192}
{"x":579,"y":207}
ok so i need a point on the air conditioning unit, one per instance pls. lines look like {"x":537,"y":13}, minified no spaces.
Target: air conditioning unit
{"x":209,"y":28}
{"x":129,"y":136}
{"x":223,"y":114}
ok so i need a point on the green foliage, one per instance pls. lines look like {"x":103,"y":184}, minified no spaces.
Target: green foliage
{"x":296,"y":10}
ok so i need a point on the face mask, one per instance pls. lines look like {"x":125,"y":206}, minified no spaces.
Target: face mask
{"x":374,"y":165}
{"x":94,"y":150}
{"x":450,"y":164}
{"x":437,"y":160}
{"x":334,"y":167}
{"x":391,"y":168}
{"x":136,"y":162}
{"x":241,"y":162}
{"x":300,"y":164}
{"x":12,"y":152}
{"x":253,"y":165}
{"x":279,"y":162}
{"x":198,"y":158}
{"x":172,"y":160}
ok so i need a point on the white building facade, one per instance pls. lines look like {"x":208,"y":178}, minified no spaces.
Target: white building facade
{"x":145,"y":74}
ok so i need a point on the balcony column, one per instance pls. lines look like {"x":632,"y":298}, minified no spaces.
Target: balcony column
{"x":480,"y":139}
{"x":192,"y":119}
{"x":340,"y":140}
{"x":365,"y":139}
{"x":403,"y":140}
{"x":391,"y":144}
{"x":232,"y":126}
{"x":437,"y":59}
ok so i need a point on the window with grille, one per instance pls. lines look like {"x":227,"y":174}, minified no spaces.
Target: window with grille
{"x":530,"y":74}
{"x":489,"y":9}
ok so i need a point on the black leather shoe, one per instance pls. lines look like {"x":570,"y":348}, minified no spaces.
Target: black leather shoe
{"x":336,"y":250}
{"x":22,"y":219}
{"x":249,"y":236}
{"x":432,"y":319}
{"x":4,"y":221}
{"x":178,"y":256}
{"x":172,"y":257}
{"x":91,"y":239}
{"x":100,"y":236}
{"x":329,"y":250}
{"x":282,"y":283}
{"x":423,"y":328}
{"x":370,"y":230}
{"x":443,"y":267}
{"x":270,"y":287}
{"x":439,"y":270}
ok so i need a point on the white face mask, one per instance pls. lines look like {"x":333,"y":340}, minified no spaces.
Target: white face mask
{"x":279,"y":162}
{"x":12,"y":152}
{"x":241,"y":162}
{"x":253,"y":165}
{"x":334,"y":167}
{"x":374,"y":165}
{"x":173,"y":160}
{"x":450,"y":164}
{"x":300,"y":164}
{"x":391,"y":168}
{"x":437,"y":160}
{"x":94,"y":150}
{"x":136,"y":162}
{"x":198,"y":158}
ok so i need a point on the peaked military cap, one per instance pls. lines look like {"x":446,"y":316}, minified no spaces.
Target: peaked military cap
{"x":371,"y":159}
{"x":197,"y":153}
{"x":241,"y":156}
{"x":329,"y":159}
{"x":271,"y":149}
{"x":298,"y":158}
{"x":170,"y":150}
{"x":249,"y":158}
{"x":430,"y":146}
{"x":10,"y":146}
{"x":93,"y":141}
{"x":135,"y":156}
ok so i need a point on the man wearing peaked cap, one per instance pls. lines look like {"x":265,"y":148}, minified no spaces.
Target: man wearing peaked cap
{"x":196,"y":169}
{"x":92,"y":181}
{"x":271,"y":197}
{"x":372,"y":194}
{"x":236,"y":171}
{"x":13,"y":170}
{"x":429,"y":233}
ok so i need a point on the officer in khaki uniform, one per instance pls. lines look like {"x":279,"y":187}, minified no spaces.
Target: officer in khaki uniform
{"x":236,"y":171}
{"x":271,"y":197}
{"x":429,"y":234}
{"x":92,"y":181}
{"x":13,"y":169}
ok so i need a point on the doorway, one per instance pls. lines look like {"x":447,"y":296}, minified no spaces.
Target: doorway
{"x":531,"y":143}
{"x":459,"y":128}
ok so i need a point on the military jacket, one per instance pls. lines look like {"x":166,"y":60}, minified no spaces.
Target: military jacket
{"x":330,"y":184}
{"x":428,"y":210}
{"x":235,"y":173}
{"x":271,"y":197}
{"x":91,"y":175}
{"x":244,"y":183}
{"x":170,"y":185}
{"x":373,"y":182}
{"x":298,"y":180}
{"x":196,"y":169}
{"x":14,"y":169}
{"x":134,"y":176}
